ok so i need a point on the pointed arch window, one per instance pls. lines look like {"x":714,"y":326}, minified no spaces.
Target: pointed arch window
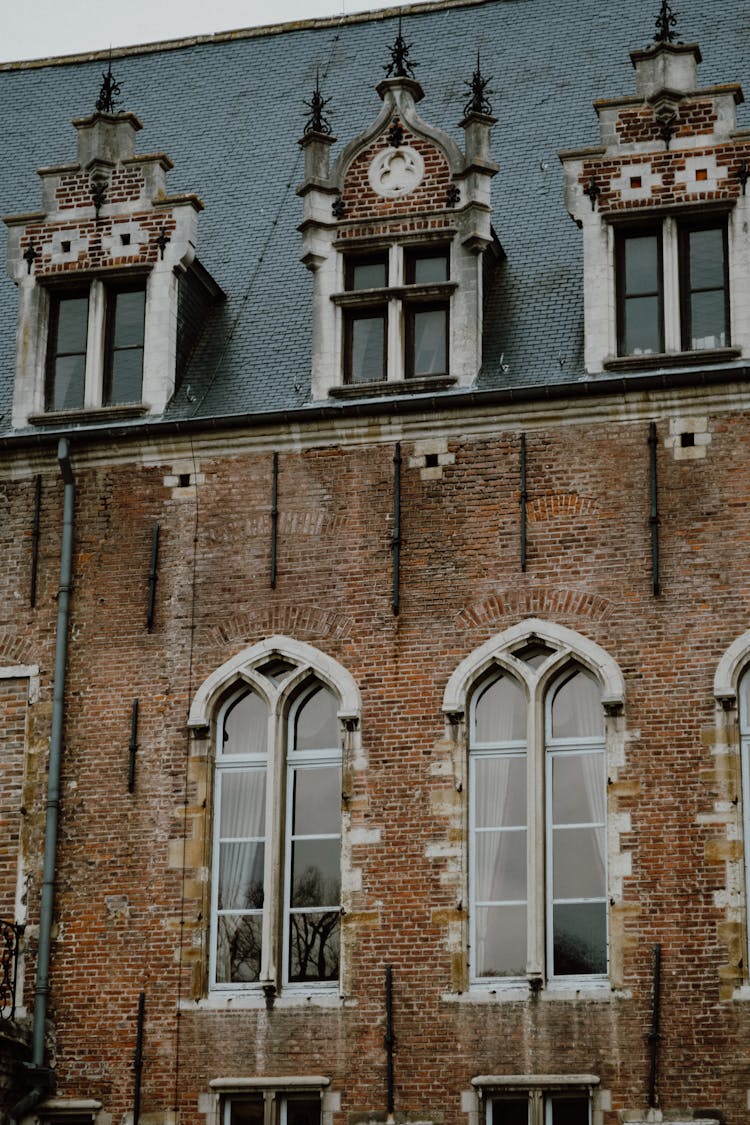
{"x":537,"y":816}
{"x":276,"y":891}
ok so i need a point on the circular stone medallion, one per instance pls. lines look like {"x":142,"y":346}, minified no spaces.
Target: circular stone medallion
{"x":396,"y":171}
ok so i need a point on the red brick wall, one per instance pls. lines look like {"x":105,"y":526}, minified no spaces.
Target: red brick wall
{"x":119,"y":904}
{"x":13,"y":697}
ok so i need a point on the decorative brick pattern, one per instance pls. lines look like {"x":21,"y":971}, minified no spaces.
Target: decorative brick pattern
{"x":429,"y":195}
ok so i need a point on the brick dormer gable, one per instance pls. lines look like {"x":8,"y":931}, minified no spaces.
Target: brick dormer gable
{"x":670,"y":163}
{"x":108,"y":226}
{"x":403,"y":197}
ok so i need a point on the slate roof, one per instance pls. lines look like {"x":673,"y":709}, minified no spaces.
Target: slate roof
{"x":229,"y":110}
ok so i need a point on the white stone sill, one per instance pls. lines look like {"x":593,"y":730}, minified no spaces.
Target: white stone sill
{"x":600,"y":991}
{"x":255,"y":1001}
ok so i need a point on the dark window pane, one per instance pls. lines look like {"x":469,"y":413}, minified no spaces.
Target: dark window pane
{"x":430,"y":342}
{"x":72,"y":325}
{"x":533,"y":654}
{"x":69,"y":376}
{"x":125,"y":333}
{"x":277,"y":669}
{"x":367,"y":349}
{"x":641,"y":265}
{"x":302,"y":1111}
{"x":570,"y":1111}
{"x":314,"y":946}
{"x":130,"y":311}
{"x":708,"y":320}
{"x":238,"y":948}
{"x":127,"y":376}
{"x":707,"y":259}
{"x":642,"y":328}
{"x":317,"y":801}
{"x":580,"y":938}
{"x":246,"y":1111}
{"x":317,"y":725}
{"x":429,"y":268}
{"x":369,"y":275}
{"x":510,"y":1111}
{"x":500,"y":937}
{"x":316,"y":873}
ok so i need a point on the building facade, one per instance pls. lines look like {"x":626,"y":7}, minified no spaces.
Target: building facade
{"x":375,"y":616}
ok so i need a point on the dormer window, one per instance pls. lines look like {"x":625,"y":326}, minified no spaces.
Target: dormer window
{"x":396,"y":314}
{"x":691,"y":313}
{"x":95,"y":346}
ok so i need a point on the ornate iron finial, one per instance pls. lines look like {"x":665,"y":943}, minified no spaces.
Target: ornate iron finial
{"x":478,"y":102}
{"x":400,"y":65}
{"x":162,"y":241}
{"x":452,"y":196}
{"x":593,"y":191}
{"x":316,"y":122}
{"x":30,"y":255}
{"x":665,"y":22}
{"x":98,"y":194}
{"x":743,"y":175}
{"x":110,"y":90}
{"x":396,"y":134}
{"x":338,"y":208}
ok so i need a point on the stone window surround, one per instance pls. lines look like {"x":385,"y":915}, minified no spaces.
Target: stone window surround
{"x":485,"y":1086}
{"x":98,"y":347}
{"x":273,"y":1090}
{"x":600,"y":233}
{"x":204,"y":712}
{"x":571,"y":647}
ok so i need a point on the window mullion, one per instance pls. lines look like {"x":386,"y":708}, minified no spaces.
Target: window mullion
{"x":273,"y":868}
{"x":94,"y":377}
{"x":671,"y":289}
{"x":535,"y":848}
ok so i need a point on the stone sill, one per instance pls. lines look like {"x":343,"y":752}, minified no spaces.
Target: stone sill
{"x":672,"y":359}
{"x":96,"y":414}
{"x":383,"y":388}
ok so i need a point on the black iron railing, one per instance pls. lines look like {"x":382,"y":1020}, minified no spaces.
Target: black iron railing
{"x":10,"y":940}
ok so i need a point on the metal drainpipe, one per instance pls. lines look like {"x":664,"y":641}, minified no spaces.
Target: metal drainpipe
{"x":43,"y":1077}
{"x":55,"y":758}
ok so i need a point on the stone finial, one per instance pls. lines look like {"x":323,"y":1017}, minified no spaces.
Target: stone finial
{"x":110,"y":90}
{"x":666,"y":21}
{"x":400,"y":65}
{"x":316,"y":122}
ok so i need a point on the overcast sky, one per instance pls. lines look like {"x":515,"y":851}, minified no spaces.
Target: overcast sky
{"x":38,"y":28}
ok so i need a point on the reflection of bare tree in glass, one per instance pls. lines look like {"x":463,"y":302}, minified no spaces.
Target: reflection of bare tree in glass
{"x":314,"y":938}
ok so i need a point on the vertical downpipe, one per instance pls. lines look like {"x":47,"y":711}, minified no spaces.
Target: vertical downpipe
{"x":653,"y":1035}
{"x":396,"y":533}
{"x":55,"y":758}
{"x":389,"y":1040}
{"x":138,"y":1058}
{"x":654,"y":518}
{"x":35,"y":539}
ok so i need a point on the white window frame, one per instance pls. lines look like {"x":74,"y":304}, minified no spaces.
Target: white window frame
{"x":540,"y":750}
{"x":208,"y":708}
{"x":496,"y":655}
{"x":397,"y":297}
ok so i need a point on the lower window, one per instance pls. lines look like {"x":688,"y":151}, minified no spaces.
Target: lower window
{"x":272,"y":1108}
{"x":537,"y":1107}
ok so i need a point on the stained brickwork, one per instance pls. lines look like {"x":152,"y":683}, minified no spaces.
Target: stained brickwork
{"x":134,"y":868}
{"x":430,"y":194}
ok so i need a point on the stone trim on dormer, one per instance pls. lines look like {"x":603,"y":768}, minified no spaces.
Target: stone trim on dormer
{"x":107,"y":228}
{"x":403,"y":196}
{"x":671,"y":167}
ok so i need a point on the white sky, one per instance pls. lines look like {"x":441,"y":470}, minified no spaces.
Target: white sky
{"x":32,"y":29}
